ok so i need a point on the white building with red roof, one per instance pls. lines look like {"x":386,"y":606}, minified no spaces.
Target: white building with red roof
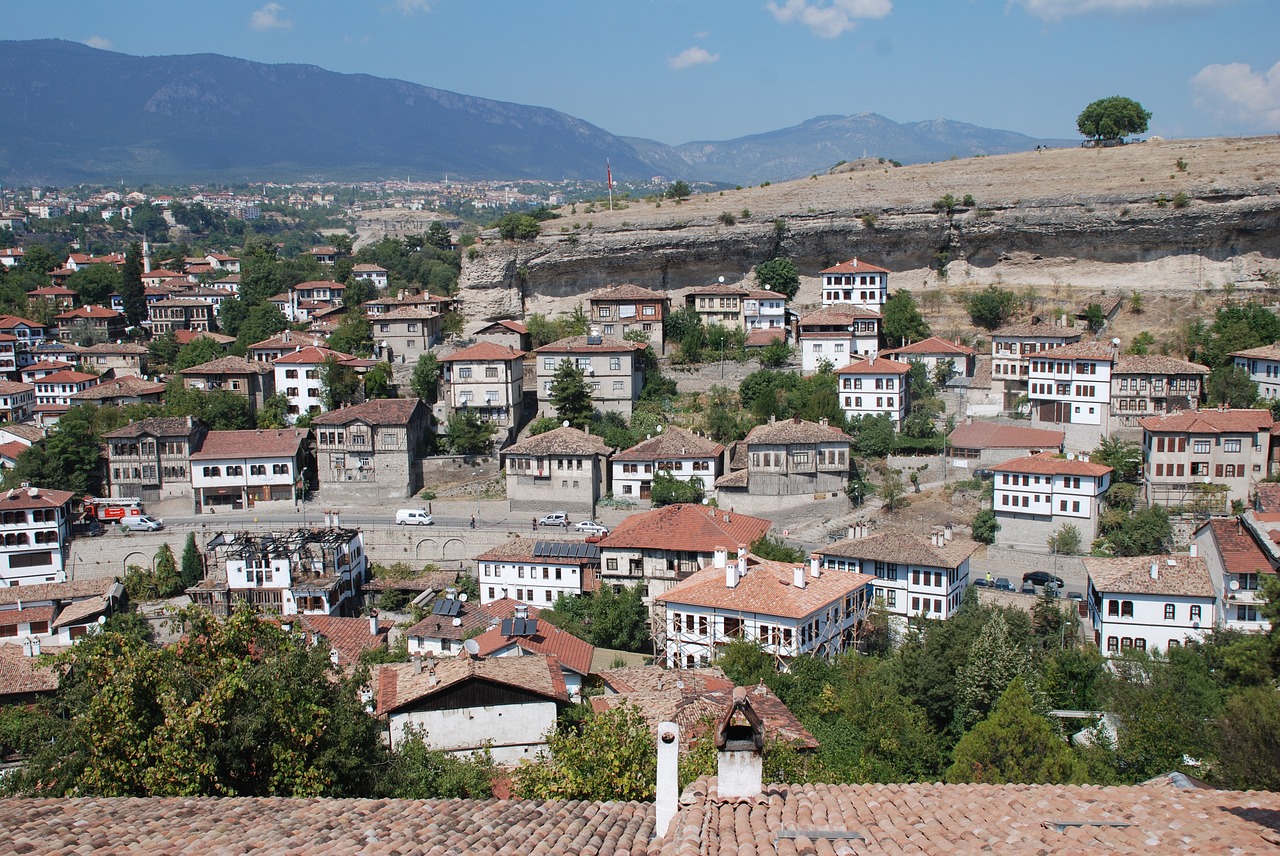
{"x":16,"y":401}
{"x":536,"y":571}
{"x":1189,"y":452}
{"x":35,"y":536}
{"x":764,"y":309}
{"x":1035,"y":496}
{"x":54,"y":391}
{"x":613,"y":368}
{"x":244,"y":468}
{"x":486,"y":380}
{"x":1149,"y":603}
{"x":1069,"y":388}
{"x":1012,"y":347}
{"x":935,"y":351}
{"x":524,"y":634}
{"x":675,"y":451}
{"x":837,"y":335}
{"x":298,"y":376}
{"x":374,"y":274}
{"x":874,"y":387}
{"x":855,"y":283}
{"x":1241,"y":553}
{"x":789,"y":609}
{"x":978,"y":443}
{"x":1263,"y":366}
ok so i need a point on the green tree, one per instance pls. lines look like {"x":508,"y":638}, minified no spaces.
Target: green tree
{"x":1014,"y":746}
{"x":1248,"y":741}
{"x":669,"y":490}
{"x":984,"y":526}
{"x":571,"y":395}
{"x":610,"y":757}
{"x":438,"y":236}
{"x":377,"y":381}
{"x":274,"y":412}
{"x":1113,"y":118}
{"x":776,"y":354}
{"x":354,"y":335}
{"x":95,"y":283}
{"x":992,"y":307}
{"x":168,"y":583}
{"x":426,"y":378}
{"x":1123,"y":456}
{"x":163,"y":349}
{"x":518,"y":227}
{"x":1143,"y":533}
{"x":994,"y":660}
{"x":260,"y":323}
{"x":260,"y":277}
{"x":417,"y":772}
{"x":340,"y":384}
{"x":358,"y":291}
{"x":892,"y":492}
{"x":605,"y":618}
{"x":679,"y":190}
{"x":1232,"y":386}
{"x":775,"y":550}
{"x":1094,"y":317}
{"x":873,"y":436}
{"x":779,"y":275}
{"x":468,"y":434}
{"x":192,"y":567}
{"x":132,"y":293}
{"x":67,"y":459}
{"x":903,"y":322}
{"x":745,"y":662}
{"x":1066,"y":541}
{"x":198,"y":351}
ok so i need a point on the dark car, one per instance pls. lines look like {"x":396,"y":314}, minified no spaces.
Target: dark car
{"x":1003,"y":584}
{"x":1041,"y":578}
{"x":983,"y":582}
{"x":1075,"y":595}
{"x":1028,"y":588}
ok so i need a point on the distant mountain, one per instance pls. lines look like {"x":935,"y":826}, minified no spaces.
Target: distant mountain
{"x":71,"y":112}
{"x":74,"y":113}
{"x":818,"y":144}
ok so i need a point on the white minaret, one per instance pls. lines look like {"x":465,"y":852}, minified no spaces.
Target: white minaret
{"x":146,"y":256}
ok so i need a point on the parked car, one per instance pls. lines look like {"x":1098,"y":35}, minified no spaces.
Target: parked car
{"x":413,"y":517}
{"x":1042,"y":578}
{"x":1075,"y":595}
{"x":1028,"y":588}
{"x":142,"y":523}
{"x":591,"y":528}
{"x":1003,"y":584}
{"x":983,"y":582}
{"x":555,"y":518}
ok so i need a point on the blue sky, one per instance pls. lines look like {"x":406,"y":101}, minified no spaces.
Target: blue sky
{"x":683,"y":70}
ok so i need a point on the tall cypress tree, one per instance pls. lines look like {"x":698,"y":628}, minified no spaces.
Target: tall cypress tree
{"x":131,"y":291}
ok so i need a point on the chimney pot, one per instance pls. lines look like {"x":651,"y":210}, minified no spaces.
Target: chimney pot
{"x":720,"y":557}
{"x":1155,"y":570}
{"x":814,"y":570}
{"x":797,"y":576}
{"x":667,"y":793}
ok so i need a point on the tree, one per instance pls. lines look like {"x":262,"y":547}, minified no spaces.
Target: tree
{"x":571,"y":395}
{"x":1123,"y":456}
{"x":192,"y":568}
{"x":1143,"y":533}
{"x":238,"y":708}
{"x":892,"y":492}
{"x":669,"y":490}
{"x":1113,"y":118}
{"x":605,"y":618}
{"x":679,"y":190}
{"x":358,"y":291}
{"x":341,"y":384}
{"x":745,"y":662}
{"x":1248,"y":741}
{"x":776,"y":354}
{"x":426,"y":378}
{"x":163,"y":349}
{"x":274,"y":412}
{"x":198,"y":351}
{"x":260,"y":277}
{"x":468,"y":434}
{"x":67,"y":459}
{"x":984,"y":526}
{"x":260,"y":323}
{"x":903,"y":322}
{"x":779,"y":275}
{"x":168,"y":583}
{"x":1232,"y":386}
{"x":438,"y":236}
{"x":1014,"y":746}
{"x":377,"y":381}
{"x":95,"y":283}
{"x":417,"y":772}
{"x":775,"y":550}
{"x":994,"y":660}
{"x":873,"y":436}
{"x":1066,"y":541}
{"x":1094,"y":317}
{"x":132,"y":293}
{"x":354,"y":335}
{"x":610,"y":757}
{"x":992,"y":307}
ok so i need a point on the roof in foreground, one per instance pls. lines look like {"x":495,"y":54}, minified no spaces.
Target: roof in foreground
{"x":340,"y":827}
{"x":1187,"y":576}
{"x":905,"y":548}
{"x":560,"y":441}
{"x":996,"y":435}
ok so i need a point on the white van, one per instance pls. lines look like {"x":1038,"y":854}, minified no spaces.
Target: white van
{"x":413,"y":517}
{"x":141,"y":523}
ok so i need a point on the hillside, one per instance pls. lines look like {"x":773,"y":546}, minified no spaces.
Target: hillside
{"x":1092,"y":219}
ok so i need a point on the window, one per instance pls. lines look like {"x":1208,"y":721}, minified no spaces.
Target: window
{"x":1126,"y":609}
{"x":1200,"y":447}
{"x":1113,"y":607}
{"x":1195,"y":612}
{"x":1231,"y":445}
{"x":615,"y":364}
{"x":291,"y":373}
{"x":1170,"y":611}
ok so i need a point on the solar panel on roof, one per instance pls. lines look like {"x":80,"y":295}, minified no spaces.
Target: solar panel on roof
{"x":506,"y":627}
{"x":448,"y":607}
{"x":531,"y":627}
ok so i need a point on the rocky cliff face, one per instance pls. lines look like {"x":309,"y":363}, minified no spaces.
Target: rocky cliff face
{"x":1120,"y":235}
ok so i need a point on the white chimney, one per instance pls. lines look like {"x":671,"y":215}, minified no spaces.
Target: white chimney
{"x":742,"y":560}
{"x":797,"y":576}
{"x":740,"y":767}
{"x":853,"y":532}
{"x":1155,"y":571}
{"x":731,"y":576}
{"x":373,"y":622}
{"x":26,"y":647}
{"x":668,"y":790}
{"x":417,"y":664}
{"x":35,"y":646}
{"x":1195,"y":550}
{"x":333,"y":656}
{"x":720,"y":557}
{"x":948,"y":532}
{"x":814,"y":570}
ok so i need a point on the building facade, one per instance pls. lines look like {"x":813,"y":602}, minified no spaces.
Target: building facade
{"x":1263,"y":366}
{"x":535,"y":571}
{"x":623,"y":309}
{"x":838,"y":335}
{"x":240,"y":469}
{"x":855,"y":283}
{"x":875,"y":387}
{"x":1149,"y":603}
{"x":560,"y":470}
{"x":1037,"y":495}
{"x":373,"y":446}
{"x":613,"y":368}
{"x":914,"y":576}
{"x":1069,"y":389}
{"x":150,"y":459}
{"x":35,"y":536}
{"x":1205,"y":458}
{"x":1153,"y":385}
{"x":486,"y":380}
{"x":676,"y":452}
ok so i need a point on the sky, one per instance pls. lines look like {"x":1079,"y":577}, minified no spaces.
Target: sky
{"x":678,"y":71}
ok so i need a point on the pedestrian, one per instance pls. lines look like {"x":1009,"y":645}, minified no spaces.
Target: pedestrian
{"x":473,"y":521}
{"x":535,"y":524}
{"x":988,"y":578}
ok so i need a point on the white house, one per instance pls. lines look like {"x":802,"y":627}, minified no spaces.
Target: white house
{"x":298,"y":376}
{"x":872,"y":387}
{"x":933,"y":352}
{"x":55,"y":613}
{"x":526,"y":634}
{"x":1240,"y":553}
{"x":16,"y":401}
{"x":536,"y":571}
{"x":372,"y":273}
{"x":1070,"y":390}
{"x":763,"y":309}
{"x":789,"y":609}
{"x":675,"y":451}
{"x":1149,"y":603}
{"x":855,"y":283}
{"x":244,"y":468}
{"x":914,"y":575}
{"x":837,"y":335}
{"x":487,"y":380}
{"x":1038,"y":494}
{"x":1012,"y":347}
{"x":1263,"y":366}
{"x":35,"y":535}
{"x":462,"y":705}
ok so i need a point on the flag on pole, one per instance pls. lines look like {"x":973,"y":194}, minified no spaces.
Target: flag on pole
{"x":608,"y":171}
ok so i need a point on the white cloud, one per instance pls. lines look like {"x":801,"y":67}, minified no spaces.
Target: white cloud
{"x":1236,"y":93}
{"x":408,"y":7}
{"x":691,"y":57}
{"x":830,"y":20}
{"x":268,"y":18}
{"x":98,"y":42}
{"x":1056,"y":10}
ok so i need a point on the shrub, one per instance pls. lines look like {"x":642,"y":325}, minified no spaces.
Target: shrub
{"x":726,"y":218}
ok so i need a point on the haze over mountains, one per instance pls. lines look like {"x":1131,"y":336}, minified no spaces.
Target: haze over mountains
{"x":75,"y":113}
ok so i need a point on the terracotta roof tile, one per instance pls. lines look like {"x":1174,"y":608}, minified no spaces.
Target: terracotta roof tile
{"x":126,"y":386}
{"x":1266,"y":352}
{"x":1036,"y":331}
{"x":26,"y":615}
{"x":1268,"y":494}
{"x":155,"y":426}
{"x":765,"y":589}
{"x":673,"y":443}
{"x":550,"y":640}
{"x":1239,"y":551}
{"x":875,"y":366}
{"x":1187,"y":575}
{"x":1209,"y":422}
{"x":398,"y":685}
{"x":994,"y":435}
{"x":1155,"y":364}
{"x":762,"y":336}
{"x":484,"y":351}
{"x":82,"y":610}
{"x":349,"y":637}
{"x":1050,"y":464}
{"x":1079,"y":350}
{"x":68,"y":591}
{"x":312,"y":355}
{"x":186,"y":337}
{"x":21,"y":675}
{"x":855,"y":265}
{"x":10,"y":387}
{"x":933,"y":345}
{"x":66,"y":376}
{"x":560,"y":441}
{"x":581,"y":345}
{"x":835,"y":315}
{"x":796,"y":430}
{"x":903,"y":547}
{"x":228,"y":365}
{"x":640,"y":679}
{"x":254,"y":443}
{"x":32,"y":497}
{"x":686,"y":527}
{"x":626,"y":291}
{"x":380,"y":411}
{"x":522,"y":549}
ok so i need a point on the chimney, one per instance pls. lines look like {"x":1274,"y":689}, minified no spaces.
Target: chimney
{"x":668,"y":789}
{"x":742,"y":560}
{"x":948,"y":532}
{"x":417,"y":664}
{"x":739,"y":739}
{"x":731,"y":576}
{"x":797,"y":576}
{"x":522,"y":610}
{"x":720,"y":557}
{"x":814,"y":570}
{"x":373,"y":622}
{"x":333,"y":656}
{"x":1155,"y":570}
{"x":1195,"y":549}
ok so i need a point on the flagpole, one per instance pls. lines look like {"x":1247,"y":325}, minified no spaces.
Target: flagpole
{"x":608,"y":172}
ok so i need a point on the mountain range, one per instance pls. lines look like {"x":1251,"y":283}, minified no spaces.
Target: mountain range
{"x":75,"y":113}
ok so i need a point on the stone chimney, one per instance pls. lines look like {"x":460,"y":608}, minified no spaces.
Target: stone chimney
{"x":417,"y":664}
{"x":739,"y":739}
{"x":668,"y":785}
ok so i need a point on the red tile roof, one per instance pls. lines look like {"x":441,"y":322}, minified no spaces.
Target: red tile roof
{"x":1078,"y":351}
{"x":1209,"y":422}
{"x":399,"y":686}
{"x":564,"y":440}
{"x":581,"y":345}
{"x":874,"y":366}
{"x":21,"y":675}
{"x":550,"y":640}
{"x":1049,"y":464}
{"x":1186,"y":576}
{"x":626,"y":291}
{"x":686,"y":527}
{"x":349,"y":637}
{"x":994,"y":435}
{"x":259,"y":443}
{"x":1240,"y":552}
{"x":484,"y":351}
{"x":66,"y":376}
{"x":31,"y":497}
{"x":672,"y":444}
{"x":766,"y":589}
{"x":380,"y":411}
{"x":836,"y":316}
{"x":933,"y":345}
{"x":312,"y":355}
{"x":795,"y":430}
{"x":228,"y":365}
{"x":854,"y":265}
{"x":89,"y":312}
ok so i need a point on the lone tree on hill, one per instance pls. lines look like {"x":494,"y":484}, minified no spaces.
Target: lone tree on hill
{"x":1113,"y":118}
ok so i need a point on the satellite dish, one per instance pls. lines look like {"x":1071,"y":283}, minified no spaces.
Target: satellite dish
{"x":1235,"y":585}
{"x":457,"y":622}
{"x":102,"y":619}
{"x":463,"y":597}
{"x":565,"y":423}
{"x":471,"y":646}
{"x":722,"y":279}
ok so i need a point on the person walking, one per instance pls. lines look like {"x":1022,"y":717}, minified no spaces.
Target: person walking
{"x":473,"y":521}
{"x":535,"y":524}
